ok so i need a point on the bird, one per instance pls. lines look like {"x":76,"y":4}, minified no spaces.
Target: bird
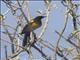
{"x":31,"y":26}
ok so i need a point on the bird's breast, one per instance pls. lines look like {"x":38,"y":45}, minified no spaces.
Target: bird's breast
{"x":35,"y":25}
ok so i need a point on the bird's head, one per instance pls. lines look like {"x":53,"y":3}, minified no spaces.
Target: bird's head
{"x":42,"y":17}
{"x":39,"y":17}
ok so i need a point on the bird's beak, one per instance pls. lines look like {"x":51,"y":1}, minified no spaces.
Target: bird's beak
{"x":43,"y":16}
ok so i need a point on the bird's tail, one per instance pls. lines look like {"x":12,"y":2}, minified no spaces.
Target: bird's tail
{"x":26,"y":38}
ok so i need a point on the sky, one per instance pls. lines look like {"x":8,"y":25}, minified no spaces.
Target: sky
{"x":56,"y":22}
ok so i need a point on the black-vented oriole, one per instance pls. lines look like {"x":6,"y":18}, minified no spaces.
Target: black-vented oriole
{"x":31,"y":26}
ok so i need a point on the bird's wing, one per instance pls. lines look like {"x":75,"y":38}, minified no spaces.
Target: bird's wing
{"x":24,"y":29}
{"x":30,"y":27}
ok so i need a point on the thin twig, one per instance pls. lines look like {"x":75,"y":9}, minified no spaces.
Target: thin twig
{"x":52,"y":49}
{"x":66,"y":20}
{"x":46,"y":22}
{"x":22,"y":11}
{"x":43,"y":55}
{"x":68,"y":40}
{"x":6,"y":52}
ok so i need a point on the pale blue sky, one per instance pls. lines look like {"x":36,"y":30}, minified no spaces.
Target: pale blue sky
{"x":56,"y":22}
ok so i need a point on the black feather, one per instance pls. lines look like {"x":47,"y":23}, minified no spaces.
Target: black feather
{"x":26,"y":38}
{"x":28,"y":28}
